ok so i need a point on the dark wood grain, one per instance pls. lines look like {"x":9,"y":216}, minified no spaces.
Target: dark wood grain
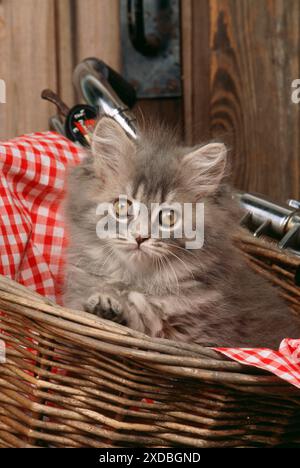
{"x":166,"y":111}
{"x":254,"y":59}
{"x":196,"y":69}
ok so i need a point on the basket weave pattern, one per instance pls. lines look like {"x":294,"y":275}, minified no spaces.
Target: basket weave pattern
{"x":74,"y":380}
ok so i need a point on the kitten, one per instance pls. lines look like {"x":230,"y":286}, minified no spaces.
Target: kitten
{"x":157,"y":285}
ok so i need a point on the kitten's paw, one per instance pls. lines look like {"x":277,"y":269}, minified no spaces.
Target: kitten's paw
{"x":105,"y":306}
{"x":141,"y":316}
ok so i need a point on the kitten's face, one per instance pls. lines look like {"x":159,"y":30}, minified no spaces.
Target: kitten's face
{"x":145,"y":187}
{"x":146,"y":227}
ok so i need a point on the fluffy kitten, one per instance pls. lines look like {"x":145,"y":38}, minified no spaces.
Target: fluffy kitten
{"x":156,"y":285}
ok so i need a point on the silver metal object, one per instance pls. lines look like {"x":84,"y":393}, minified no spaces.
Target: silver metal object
{"x":263,"y":216}
{"x":294,"y":204}
{"x":56,"y":125}
{"x":97,"y":92}
{"x":150,"y":38}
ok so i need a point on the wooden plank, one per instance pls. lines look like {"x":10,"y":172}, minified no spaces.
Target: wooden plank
{"x":65,"y":49}
{"x":98,"y":30}
{"x":196,"y":69}
{"x":27,"y":64}
{"x":255,"y":57}
{"x":166,"y":111}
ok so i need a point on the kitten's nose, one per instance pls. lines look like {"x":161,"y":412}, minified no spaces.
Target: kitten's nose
{"x":140,"y":239}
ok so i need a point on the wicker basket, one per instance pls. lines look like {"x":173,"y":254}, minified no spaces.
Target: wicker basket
{"x":73,"y":380}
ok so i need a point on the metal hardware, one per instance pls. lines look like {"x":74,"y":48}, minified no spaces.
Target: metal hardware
{"x":56,"y":125}
{"x":294,"y":204}
{"x":149,"y":45}
{"x":108,"y":76}
{"x":80,"y":124}
{"x":279,"y":221}
{"x":106,"y":92}
{"x":76,"y":124}
{"x":150,"y":38}
{"x":93,"y":85}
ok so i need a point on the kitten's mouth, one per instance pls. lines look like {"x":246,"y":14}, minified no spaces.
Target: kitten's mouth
{"x":139,"y":250}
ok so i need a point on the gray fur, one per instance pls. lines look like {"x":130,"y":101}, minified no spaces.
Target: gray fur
{"x":208,"y":296}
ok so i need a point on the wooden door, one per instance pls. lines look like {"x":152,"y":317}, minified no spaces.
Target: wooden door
{"x":27,"y":64}
{"x":239,"y":58}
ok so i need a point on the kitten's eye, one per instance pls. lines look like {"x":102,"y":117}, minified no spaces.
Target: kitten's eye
{"x":167,"y":218}
{"x":121,"y":208}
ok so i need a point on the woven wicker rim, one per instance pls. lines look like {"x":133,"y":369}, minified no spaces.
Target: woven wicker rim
{"x":174,"y":359}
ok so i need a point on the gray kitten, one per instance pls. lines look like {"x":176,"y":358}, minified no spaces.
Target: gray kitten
{"x":157,"y":285}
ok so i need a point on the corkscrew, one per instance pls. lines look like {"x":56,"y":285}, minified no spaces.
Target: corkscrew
{"x":106,"y":94}
{"x":98,"y":85}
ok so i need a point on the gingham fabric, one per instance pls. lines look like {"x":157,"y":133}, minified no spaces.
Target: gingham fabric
{"x":284,"y":363}
{"x":33,"y":236}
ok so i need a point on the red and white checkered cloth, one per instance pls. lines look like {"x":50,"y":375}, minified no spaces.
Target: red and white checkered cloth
{"x":284,"y":363}
{"x":33,"y":236}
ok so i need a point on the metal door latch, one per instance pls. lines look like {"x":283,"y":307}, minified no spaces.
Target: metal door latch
{"x":150,"y":38}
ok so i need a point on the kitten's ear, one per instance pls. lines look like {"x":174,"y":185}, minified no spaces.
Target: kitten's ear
{"x":204,"y":168}
{"x":111,"y":147}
